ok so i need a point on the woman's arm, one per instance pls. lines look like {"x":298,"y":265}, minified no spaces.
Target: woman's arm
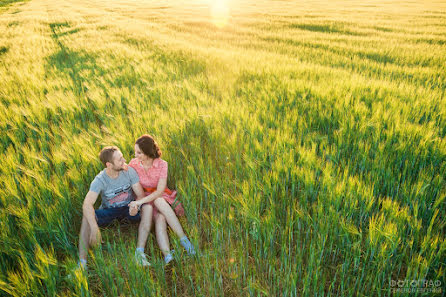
{"x":162,"y":183}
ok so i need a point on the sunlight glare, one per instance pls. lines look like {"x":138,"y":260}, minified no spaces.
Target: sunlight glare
{"x":220,"y":13}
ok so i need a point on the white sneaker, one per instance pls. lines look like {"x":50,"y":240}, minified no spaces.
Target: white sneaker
{"x":168,"y":257}
{"x":188,"y":246}
{"x":141,"y":259}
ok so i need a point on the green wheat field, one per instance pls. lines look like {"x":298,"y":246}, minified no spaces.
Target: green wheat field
{"x":306,"y":140}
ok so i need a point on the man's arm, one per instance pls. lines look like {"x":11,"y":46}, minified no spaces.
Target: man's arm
{"x":88,"y":211}
{"x":138,"y":190}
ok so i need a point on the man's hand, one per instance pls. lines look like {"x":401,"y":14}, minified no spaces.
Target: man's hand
{"x":95,"y":237}
{"x":133,"y":208}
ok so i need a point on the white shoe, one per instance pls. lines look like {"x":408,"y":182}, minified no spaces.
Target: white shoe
{"x":188,"y":246}
{"x":141,"y":259}
{"x":168,"y":257}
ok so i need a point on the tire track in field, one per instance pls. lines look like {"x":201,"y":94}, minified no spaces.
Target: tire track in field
{"x":72,"y":63}
{"x":67,"y":60}
{"x":64,"y":58}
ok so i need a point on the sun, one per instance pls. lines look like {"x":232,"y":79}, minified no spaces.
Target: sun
{"x":220,"y":13}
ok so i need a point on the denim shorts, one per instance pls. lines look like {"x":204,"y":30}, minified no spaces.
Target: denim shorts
{"x":105,"y":216}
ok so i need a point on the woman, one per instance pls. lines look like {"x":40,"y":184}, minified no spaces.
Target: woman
{"x":152,"y":172}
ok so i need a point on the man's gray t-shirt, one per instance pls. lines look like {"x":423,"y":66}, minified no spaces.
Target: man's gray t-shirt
{"x":115,"y":192}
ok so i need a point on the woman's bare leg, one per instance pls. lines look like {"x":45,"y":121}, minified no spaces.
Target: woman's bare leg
{"x":161,"y":234}
{"x":170,"y":216}
{"x":164,"y":208}
{"x":144,"y":225}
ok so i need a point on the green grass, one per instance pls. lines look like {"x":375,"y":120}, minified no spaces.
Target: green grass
{"x":7,"y":2}
{"x":306,"y":141}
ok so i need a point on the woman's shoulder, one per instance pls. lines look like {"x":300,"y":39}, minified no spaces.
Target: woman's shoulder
{"x":133,"y":162}
{"x":160,"y":162}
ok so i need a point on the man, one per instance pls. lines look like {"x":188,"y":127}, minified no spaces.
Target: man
{"x":117,"y":184}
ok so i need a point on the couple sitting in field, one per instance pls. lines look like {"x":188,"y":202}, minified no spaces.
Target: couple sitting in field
{"x":145,"y":179}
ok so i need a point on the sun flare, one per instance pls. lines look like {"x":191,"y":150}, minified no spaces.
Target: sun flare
{"x":220,"y":13}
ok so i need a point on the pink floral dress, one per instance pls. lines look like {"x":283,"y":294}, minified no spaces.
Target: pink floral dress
{"x":149,"y":181}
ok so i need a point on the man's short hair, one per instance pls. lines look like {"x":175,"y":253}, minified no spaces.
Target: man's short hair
{"x":106,"y":154}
